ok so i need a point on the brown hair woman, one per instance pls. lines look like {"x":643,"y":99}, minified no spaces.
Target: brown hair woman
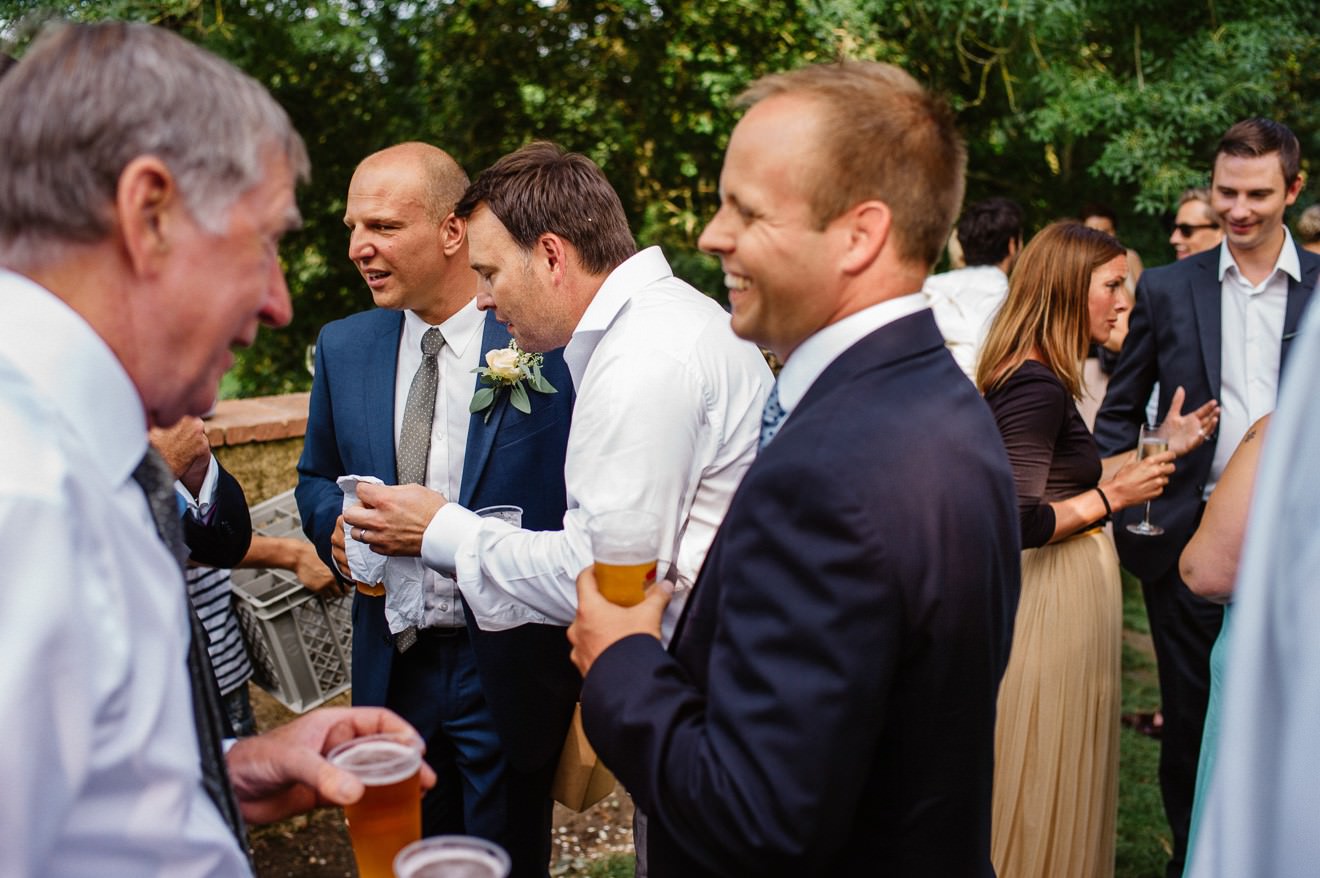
{"x":1056,"y":736}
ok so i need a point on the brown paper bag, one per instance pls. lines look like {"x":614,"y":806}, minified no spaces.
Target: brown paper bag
{"x":581,"y":780}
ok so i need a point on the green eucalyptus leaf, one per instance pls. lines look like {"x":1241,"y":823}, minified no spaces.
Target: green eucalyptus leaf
{"x":518,"y":396}
{"x":540,"y":385}
{"x":482,"y":399}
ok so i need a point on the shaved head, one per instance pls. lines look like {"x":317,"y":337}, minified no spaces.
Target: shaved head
{"x":443,"y":181}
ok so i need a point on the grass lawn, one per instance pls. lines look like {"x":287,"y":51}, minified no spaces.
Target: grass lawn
{"x":1144,"y":842}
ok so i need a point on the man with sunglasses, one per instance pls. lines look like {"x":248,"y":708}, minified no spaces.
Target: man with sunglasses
{"x":1217,"y":325}
{"x":1196,"y":228}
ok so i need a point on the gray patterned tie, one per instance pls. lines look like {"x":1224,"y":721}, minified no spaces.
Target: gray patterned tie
{"x":419,"y":413}
{"x":157,"y":482}
{"x":772,"y":416}
{"x":415,"y":435}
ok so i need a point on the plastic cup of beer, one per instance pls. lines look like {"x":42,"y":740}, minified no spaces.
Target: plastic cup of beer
{"x":452,"y":856}
{"x":625,"y":545}
{"x":389,"y":815}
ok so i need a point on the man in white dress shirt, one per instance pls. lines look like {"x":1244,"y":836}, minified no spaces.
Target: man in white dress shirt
{"x":966,"y":300}
{"x":1218,"y":325}
{"x":668,"y":398}
{"x":141,"y":164}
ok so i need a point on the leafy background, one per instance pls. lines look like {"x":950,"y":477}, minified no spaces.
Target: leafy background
{"x":1062,"y":101}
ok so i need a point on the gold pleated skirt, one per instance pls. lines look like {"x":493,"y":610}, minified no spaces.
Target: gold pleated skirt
{"x":1056,"y":735}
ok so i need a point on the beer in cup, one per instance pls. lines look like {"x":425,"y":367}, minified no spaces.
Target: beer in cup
{"x":389,"y":815}
{"x":452,"y":856}
{"x":625,"y":546}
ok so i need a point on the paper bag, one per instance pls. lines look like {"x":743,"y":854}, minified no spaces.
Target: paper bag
{"x":581,"y":780}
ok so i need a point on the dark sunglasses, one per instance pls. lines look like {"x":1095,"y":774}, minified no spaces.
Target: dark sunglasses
{"x":1186,"y":229}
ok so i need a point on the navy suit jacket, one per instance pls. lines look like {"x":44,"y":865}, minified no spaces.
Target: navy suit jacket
{"x":513,"y":458}
{"x":827,"y":705}
{"x":224,"y":538}
{"x":1175,"y":338}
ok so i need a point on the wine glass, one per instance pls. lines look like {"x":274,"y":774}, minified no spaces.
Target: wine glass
{"x":1152,"y":441}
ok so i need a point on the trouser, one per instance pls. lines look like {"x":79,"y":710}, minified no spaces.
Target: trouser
{"x":1183,"y":628}
{"x":436,"y":687}
{"x":238,"y":708}
{"x":639,"y":842}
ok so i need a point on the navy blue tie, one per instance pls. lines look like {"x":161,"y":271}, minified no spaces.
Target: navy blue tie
{"x":772,"y":417}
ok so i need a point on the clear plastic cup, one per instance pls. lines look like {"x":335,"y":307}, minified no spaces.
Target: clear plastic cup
{"x":625,"y":545}
{"x":389,"y":815}
{"x":452,"y":856}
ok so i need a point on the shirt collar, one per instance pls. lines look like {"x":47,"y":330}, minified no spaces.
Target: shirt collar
{"x":815,"y":354}
{"x":72,"y":367}
{"x":628,"y":277}
{"x":459,"y":330}
{"x":1287,"y":262}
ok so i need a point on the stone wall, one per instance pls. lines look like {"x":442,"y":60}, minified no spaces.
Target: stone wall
{"x":259,"y":441}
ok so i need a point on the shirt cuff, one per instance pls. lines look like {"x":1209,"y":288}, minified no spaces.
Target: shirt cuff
{"x":452,"y":526}
{"x":200,"y":506}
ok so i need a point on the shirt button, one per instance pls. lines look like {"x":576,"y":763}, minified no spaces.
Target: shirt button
{"x":444,"y":607}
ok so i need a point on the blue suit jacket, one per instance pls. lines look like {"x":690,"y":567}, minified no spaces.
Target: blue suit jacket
{"x":1175,"y":338}
{"x":828,"y":704}
{"x":513,"y":458}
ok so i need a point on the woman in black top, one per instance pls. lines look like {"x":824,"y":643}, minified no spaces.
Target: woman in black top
{"x":1056,"y":737}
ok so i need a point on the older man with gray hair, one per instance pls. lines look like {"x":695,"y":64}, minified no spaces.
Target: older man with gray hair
{"x":143,"y":192}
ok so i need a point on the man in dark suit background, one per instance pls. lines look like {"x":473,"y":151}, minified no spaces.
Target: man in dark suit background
{"x":493,"y":707}
{"x":827,"y":704}
{"x":1217,"y":324}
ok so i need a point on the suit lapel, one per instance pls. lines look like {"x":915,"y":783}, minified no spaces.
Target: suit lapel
{"x":378,"y":398}
{"x":481,"y":432}
{"x":1206,"y":292}
{"x":1299,"y":293}
{"x":904,"y":338}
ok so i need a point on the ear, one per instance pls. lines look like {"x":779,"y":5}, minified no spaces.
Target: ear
{"x":453,"y":234}
{"x":867,"y":226}
{"x":551,"y":251}
{"x":146,"y":205}
{"x":1296,"y":188}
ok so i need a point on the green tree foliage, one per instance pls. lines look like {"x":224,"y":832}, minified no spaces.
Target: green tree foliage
{"x":1062,"y":101}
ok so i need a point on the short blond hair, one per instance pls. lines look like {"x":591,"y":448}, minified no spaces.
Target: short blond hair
{"x":890,"y":140}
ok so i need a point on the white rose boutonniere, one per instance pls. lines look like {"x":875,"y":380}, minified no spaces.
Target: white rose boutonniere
{"x":514,"y":368}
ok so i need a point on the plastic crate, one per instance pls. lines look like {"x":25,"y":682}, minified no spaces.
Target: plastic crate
{"x":300,"y":643}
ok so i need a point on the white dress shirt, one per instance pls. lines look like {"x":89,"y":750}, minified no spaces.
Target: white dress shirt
{"x":965,"y":303}
{"x":449,"y":431}
{"x":101,"y":775}
{"x":667,"y":419}
{"x":1264,"y":793}
{"x":1252,"y":338}
{"x":814,"y":355}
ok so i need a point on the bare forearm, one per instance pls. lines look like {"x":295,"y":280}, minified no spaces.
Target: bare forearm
{"x":1209,"y":563}
{"x":271,"y":552}
{"x":1133,"y":482}
{"x":1072,"y":514}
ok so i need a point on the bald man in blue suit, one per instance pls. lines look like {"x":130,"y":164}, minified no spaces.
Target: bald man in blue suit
{"x":493,"y":706}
